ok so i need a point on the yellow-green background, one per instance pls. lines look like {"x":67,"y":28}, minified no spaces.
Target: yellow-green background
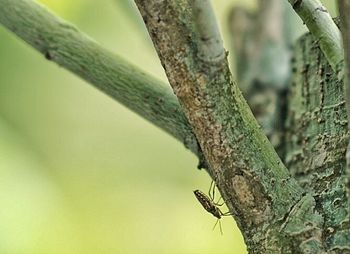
{"x":81,"y":174}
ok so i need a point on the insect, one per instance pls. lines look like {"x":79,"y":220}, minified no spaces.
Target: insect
{"x":209,"y":204}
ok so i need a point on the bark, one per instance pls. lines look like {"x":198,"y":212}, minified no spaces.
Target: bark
{"x":307,"y":212}
{"x":344,"y":11}
{"x":321,"y":25}
{"x":269,"y":206}
{"x":317,"y":138}
{"x":64,"y":44}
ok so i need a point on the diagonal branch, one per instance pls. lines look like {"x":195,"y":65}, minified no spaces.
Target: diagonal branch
{"x":323,"y":28}
{"x":266,"y":202}
{"x":62,"y":43}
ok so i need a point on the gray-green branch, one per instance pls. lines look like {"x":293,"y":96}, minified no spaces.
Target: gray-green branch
{"x":320,"y":24}
{"x":64,"y":44}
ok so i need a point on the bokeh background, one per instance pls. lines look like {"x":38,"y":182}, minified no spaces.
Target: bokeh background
{"x":80,"y":173}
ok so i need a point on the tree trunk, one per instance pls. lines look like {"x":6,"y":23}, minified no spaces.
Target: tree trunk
{"x":316,"y":140}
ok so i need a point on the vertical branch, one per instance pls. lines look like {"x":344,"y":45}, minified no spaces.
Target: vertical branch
{"x":210,"y":44}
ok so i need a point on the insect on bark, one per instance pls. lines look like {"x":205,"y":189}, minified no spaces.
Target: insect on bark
{"x":209,"y":204}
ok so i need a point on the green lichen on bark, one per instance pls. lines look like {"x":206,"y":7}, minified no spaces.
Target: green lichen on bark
{"x":317,"y":138}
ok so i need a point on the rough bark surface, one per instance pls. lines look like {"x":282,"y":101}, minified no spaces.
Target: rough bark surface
{"x":317,"y":138}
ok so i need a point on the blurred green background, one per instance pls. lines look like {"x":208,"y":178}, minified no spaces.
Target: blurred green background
{"x":80,"y":173}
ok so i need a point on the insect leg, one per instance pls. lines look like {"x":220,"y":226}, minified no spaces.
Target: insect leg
{"x":228,"y":213}
{"x":216,"y":223}
{"x":217,"y":203}
{"x":220,"y":227}
{"x":211,"y":190}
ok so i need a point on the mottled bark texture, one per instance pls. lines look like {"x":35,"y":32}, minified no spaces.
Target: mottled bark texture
{"x":64,"y":44}
{"x":272,"y":211}
{"x":317,"y":138}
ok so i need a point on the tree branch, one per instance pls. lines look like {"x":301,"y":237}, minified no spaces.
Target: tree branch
{"x":266,"y":202}
{"x":210,"y":47}
{"x":64,"y":44}
{"x":323,"y":28}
